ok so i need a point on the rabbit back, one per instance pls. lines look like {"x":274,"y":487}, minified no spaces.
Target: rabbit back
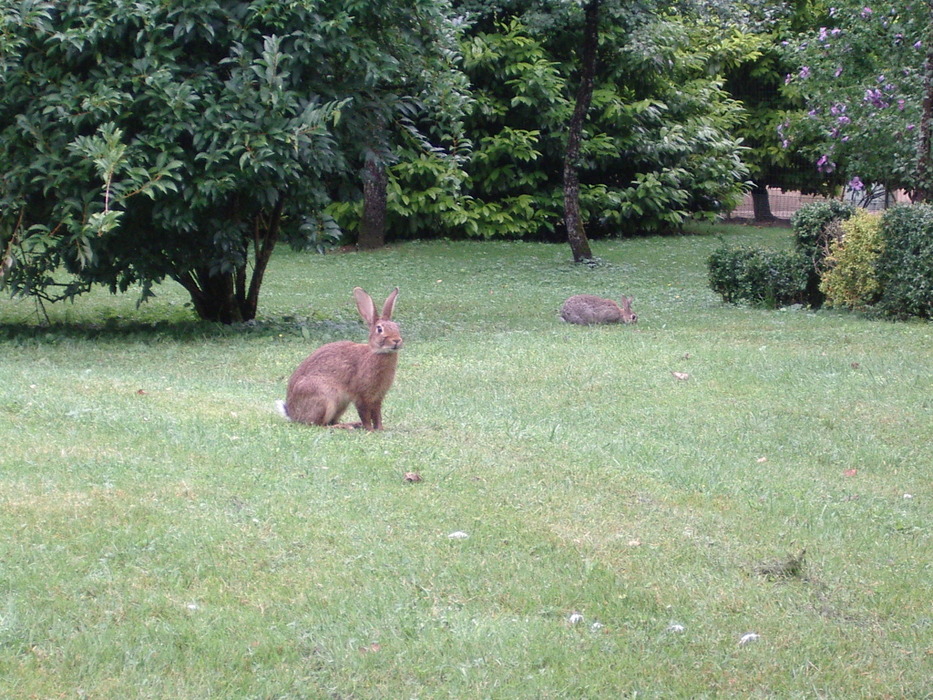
{"x":587,"y":309}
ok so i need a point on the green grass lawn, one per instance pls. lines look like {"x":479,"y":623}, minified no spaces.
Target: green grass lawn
{"x":163,"y":534}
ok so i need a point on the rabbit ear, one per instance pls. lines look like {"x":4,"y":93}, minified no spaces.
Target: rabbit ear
{"x":389,"y":306}
{"x":365,"y":305}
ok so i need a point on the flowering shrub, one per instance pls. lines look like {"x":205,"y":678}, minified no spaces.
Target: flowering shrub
{"x":862,"y":79}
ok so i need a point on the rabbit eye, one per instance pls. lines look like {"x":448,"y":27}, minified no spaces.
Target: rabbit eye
{"x":379,"y":329}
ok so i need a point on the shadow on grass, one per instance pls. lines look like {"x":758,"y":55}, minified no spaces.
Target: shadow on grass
{"x":122,"y":330}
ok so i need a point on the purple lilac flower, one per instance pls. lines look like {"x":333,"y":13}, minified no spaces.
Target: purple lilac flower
{"x":875,"y":98}
{"x":838,"y":72}
{"x":825,"y":165}
{"x":866,"y":12}
{"x":856,"y":184}
{"x":901,"y":104}
{"x":843,"y":120}
{"x":918,"y":45}
{"x":805,"y":72}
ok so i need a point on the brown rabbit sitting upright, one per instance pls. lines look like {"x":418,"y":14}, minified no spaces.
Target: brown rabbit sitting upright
{"x":586,"y":309}
{"x":335,"y":374}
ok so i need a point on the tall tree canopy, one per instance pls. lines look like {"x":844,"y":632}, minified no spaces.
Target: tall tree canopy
{"x":758,"y":83}
{"x":656,"y":144}
{"x":866,"y":77}
{"x":143,"y":140}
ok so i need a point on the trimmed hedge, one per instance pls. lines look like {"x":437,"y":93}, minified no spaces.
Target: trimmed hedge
{"x":810,"y":223}
{"x":849,"y":257}
{"x":769,"y":278}
{"x":905,"y":267}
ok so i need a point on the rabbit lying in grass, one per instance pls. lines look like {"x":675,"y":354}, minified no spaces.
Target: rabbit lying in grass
{"x":586,"y":309}
{"x":336,"y":374}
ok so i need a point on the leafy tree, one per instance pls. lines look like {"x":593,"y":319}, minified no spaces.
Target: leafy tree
{"x":147,"y":140}
{"x":655,"y":146}
{"x":867,"y":80}
{"x":410,"y":107}
{"x":759,"y":84}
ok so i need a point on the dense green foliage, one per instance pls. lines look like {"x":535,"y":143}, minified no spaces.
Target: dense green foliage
{"x":809,"y":224}
{"x":779,"y":278}
{"x":849,"y":277}
{"x":905,"y":266}
{"x":760,"y":277}
{"x":154,"y":140}
{"x":658,"y":146}
{"x":845,"y":256}
{"x":759,"y":83}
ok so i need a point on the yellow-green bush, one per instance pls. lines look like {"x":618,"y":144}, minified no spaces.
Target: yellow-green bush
{"x":850,"y":278}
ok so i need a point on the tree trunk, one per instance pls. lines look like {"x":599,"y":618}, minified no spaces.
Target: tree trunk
{"x":224,"y":297}
{"x":923,"y":192}
{"x":761,"y":204}
{"x":576,"y":235}
{"x":212,"y":295}
{"x":373,"y":222}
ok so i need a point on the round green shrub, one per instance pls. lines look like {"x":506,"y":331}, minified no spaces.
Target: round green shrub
{"x":849,"y":276}
{"x":768,"y":278}
{"x":905,"y":266}
{"x":810,"y":224}
{"x":810,"y":221}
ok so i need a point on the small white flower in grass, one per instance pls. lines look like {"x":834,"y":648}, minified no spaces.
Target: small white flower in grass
{"x":192,"y":606}
{"x":675,"y":628}
{"x":596,"y":626}
{"x":908,"y":496}
{"x":575,"y":618}
{"x":748,"y":638}
{"x":458,"y":535}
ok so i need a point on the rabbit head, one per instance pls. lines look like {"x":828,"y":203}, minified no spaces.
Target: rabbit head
{"x":384,"y":334}
{"x":628,"y":316}
{"x":337,"y":374}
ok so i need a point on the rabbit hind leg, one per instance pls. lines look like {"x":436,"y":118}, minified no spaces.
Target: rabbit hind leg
{"x":316,"y":407}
